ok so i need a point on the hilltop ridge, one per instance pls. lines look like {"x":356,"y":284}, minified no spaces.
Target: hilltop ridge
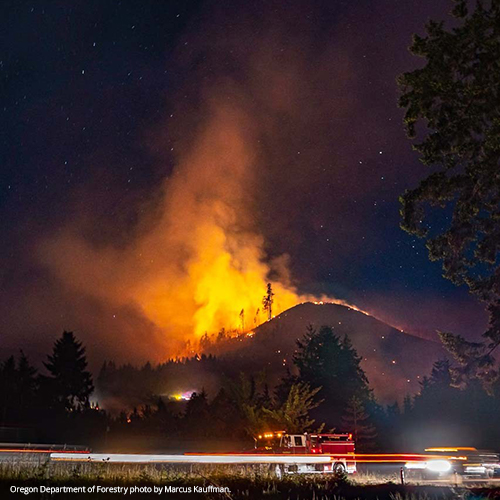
{"x":394,"y":361}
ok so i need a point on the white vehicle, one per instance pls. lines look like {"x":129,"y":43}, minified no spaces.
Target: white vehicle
{"x":465,"y":461}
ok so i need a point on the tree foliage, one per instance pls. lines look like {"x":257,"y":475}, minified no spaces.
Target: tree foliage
{"x":244,"y":392}
{"x":325,"y":360}
{"x":244,"y":407}
{"x":18,"y":389}
{"x":267,"y":301}
{"x":258,"y":411}
{"x":196,"y":416}
{"x":452,"y":108}
{"x":294,"y":414}
{"x":69,"y":383}
{"x":357,"y":421}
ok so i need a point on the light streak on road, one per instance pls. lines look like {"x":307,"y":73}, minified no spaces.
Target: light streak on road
{"x":236,"y":458}
{"x":192,"y":459}
{"x":27,"y":450}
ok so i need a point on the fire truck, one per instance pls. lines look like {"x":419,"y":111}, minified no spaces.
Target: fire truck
{"x":340,"y":447}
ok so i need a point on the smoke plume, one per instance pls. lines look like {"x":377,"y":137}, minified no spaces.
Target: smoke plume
{"x":274,"y":156}
{"x":199,"y":263}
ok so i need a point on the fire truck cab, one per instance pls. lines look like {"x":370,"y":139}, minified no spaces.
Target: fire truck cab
{"x":294,"y":443}
{"x":338,"y":446}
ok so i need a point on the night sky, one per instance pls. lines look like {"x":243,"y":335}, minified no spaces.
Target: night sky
{"x":107,"y":105}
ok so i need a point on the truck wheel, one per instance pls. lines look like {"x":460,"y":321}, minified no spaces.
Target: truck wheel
{"x":339,"y":468}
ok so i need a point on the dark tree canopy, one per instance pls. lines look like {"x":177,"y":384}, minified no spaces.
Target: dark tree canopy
{"x":327,"y":361}
{"x":267,"y":301}
{"x":294,"y":414}
{"x":357,"y":421}
{"x":70,"y":384}
{"x":18,"y":390}
{"x":453,"y":114}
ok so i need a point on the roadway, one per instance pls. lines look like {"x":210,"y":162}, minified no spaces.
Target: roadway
{"x":388,"y":465}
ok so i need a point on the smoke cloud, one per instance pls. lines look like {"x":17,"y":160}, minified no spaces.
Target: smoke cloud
{"x":268,"y":154}
{"x":199,"y":263}
{"x":202,"y":262}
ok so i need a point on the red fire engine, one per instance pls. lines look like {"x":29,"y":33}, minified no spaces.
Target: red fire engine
{"x":338,"y":446}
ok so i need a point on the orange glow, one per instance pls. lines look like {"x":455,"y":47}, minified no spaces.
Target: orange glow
{"x":267,"y":435}
{"x":197,"y":263}
{"x":379,"y":458}
{"x":446,"y":449}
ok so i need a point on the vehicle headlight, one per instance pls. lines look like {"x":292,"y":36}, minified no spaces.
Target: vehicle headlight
{"x":439,"y":465}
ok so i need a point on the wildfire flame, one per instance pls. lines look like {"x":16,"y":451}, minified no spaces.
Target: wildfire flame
{"x":201,"y":264}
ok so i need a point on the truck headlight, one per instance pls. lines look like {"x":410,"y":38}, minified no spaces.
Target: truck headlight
{"x":439,"y":465}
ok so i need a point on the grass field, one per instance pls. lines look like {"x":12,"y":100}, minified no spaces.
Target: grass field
{"x":241,"y":483}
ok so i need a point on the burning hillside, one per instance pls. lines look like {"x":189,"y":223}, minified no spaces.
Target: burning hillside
{"x":198,"y":257}
{"x":202,"y":262}
{"x":201,"y":265}
{"x":394,"y":361}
